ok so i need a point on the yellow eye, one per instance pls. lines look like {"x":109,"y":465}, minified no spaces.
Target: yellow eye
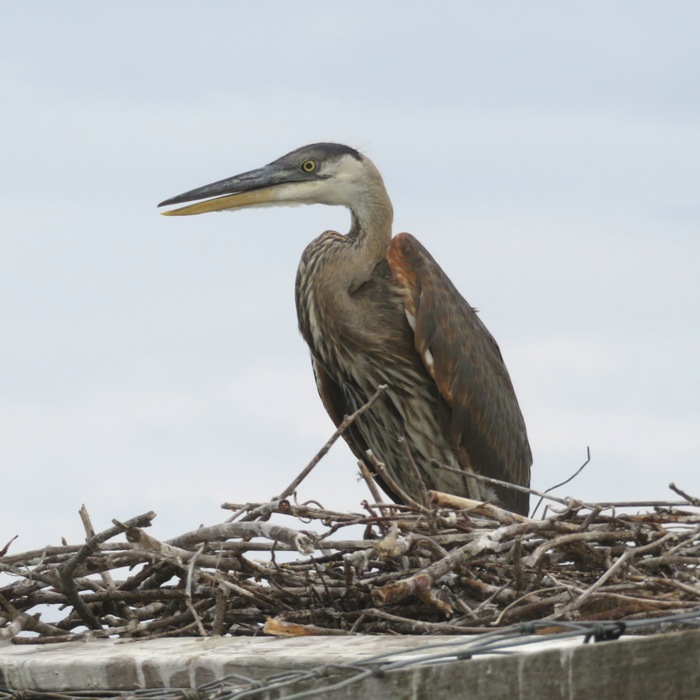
{"x":308,"y":166}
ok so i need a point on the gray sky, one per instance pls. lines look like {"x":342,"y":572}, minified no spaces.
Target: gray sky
{"x":546,"y":153}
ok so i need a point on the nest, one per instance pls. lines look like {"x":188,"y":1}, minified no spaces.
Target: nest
{"x":441,"y":565}
{"x":448,"y":567}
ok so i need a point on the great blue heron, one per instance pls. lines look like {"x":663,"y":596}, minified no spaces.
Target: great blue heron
{"x":379,"y":310}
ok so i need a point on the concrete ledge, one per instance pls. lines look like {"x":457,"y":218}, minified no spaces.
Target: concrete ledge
{"x":655,"y":667}
{"x":179,"y":662}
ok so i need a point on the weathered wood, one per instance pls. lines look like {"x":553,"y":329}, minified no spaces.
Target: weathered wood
{"x":658,"y":667}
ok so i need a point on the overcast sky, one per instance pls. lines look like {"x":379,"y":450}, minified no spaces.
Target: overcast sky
{"x":546,"y":153}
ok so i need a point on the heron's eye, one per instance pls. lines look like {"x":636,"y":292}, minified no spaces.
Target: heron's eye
{"x":308,"y":166}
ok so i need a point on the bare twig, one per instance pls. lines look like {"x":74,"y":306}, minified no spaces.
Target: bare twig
{"x":578,"y":602}
{"x":691,"y":499}
{"x":498,"y":482}
{"x":345,"y":424}
{"x":105,"y":575}
{"x":438,"y":498}
{"x":372,"y":486}
{"x":416,"y":476}
{"x":566,"y":481}
{"x":390,"y":482}
{"x":188,"y":591}
{"x":6,"y":548}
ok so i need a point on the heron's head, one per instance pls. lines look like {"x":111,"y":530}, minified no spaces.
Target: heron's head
{"x":323,"y":173}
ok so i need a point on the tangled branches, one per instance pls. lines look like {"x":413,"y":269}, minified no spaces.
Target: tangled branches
{"x":444,"y":565}
{"x":453,"y":568}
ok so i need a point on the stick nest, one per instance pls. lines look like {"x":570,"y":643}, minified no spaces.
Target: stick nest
{"x":444,"y":567}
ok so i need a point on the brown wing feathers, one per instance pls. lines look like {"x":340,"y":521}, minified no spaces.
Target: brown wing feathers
{"x":466,"y":364}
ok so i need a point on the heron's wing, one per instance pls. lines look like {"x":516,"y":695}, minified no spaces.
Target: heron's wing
{"x":337,"y":408}
{"x":487,"y":428}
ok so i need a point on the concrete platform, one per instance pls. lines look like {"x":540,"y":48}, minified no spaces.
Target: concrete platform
{"x":635,"y":668}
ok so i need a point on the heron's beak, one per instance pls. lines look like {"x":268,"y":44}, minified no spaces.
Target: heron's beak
{"x":256,"y":187}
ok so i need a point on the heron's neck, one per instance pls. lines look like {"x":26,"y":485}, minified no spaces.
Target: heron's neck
{"x":370,"y":232}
